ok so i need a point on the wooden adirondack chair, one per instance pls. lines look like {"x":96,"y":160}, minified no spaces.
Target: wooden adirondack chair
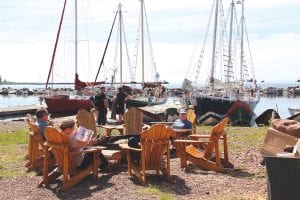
{"x":59,"y":143}
{"x":204,"y":158}
{"x":133,"y":121}
{"x":35,"y":149}
{"x":154,"y":148}
{"x":86,"y":119}
{"x":191,"y":116}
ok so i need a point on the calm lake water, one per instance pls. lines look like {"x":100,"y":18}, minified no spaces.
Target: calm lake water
{"x":279,"y":103}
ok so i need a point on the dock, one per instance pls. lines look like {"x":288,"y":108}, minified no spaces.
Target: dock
{"x":19,"y":110}
{"x":157,"y":112}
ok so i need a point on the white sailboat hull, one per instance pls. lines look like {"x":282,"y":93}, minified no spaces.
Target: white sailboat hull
{"x":294,"y":111}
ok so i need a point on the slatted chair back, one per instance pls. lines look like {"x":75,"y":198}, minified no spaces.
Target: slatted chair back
{"x":133,"y":120}
{"x":35,"y":139}
{"x":30,"y":118}
{"x":35,"y":142}
{"x":216,"y":133}
{"x":154,"y":144}
{"x":60,"y":147}
{"x":86,"y":119}
{"x":32,"y":127}
{"x":191,"y":116}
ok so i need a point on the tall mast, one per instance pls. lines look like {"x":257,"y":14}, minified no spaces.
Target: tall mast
{"x":211,"y":80}
{"x":76,"y":39}
{"x":120,"y":27}
{"x":142,"y":32}
{"x":230,"y":43}
{"x":242,"y":43}
{"x":55,"y":45}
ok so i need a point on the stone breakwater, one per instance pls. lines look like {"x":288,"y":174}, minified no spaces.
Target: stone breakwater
{"x":27,"y":91}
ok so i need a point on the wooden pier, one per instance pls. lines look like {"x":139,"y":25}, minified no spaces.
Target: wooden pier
{"x":19,"y":110}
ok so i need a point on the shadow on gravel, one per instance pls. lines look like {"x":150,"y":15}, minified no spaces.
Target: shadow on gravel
{"x":85,"y":188}
{"x":194,"y":169}
{"x":237,"y":173}
{"x":176,"y":185}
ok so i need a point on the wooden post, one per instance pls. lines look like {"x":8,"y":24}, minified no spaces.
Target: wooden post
{"x":46,"y":165}
{"x":66,"y":165}
{"x":217,"y":151}
{"x":225,"y":146}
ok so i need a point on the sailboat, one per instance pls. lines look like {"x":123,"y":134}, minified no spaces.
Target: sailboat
{"x":68,"y":102}
{"x":139,"y":98}
{"x":159,"y":95}
{"x":235,"y":82}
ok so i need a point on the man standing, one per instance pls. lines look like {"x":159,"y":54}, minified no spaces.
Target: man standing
{"x":101,"y":104}
{"x":120,"y":102}
{"x":93,"y":107}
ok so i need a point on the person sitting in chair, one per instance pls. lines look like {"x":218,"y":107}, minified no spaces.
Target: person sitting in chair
{"x":82,"y":160}
{"x":182,"y":122}
{"x":42,"y":122}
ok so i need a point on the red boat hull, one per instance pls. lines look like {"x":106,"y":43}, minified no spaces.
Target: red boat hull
{"x":63,"y":104}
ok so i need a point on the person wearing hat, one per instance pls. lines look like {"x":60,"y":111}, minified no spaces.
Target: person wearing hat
{"x":182,"y":122}
{"x":101,"y":104}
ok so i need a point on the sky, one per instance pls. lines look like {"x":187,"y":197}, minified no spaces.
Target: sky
{"x":28,"y":31}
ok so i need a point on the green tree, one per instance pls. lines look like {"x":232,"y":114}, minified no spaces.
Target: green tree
{"x":0,"y":79}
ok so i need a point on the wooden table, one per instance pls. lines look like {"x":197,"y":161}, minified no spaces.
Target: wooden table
{"x":182,"y":133}
{"x":110,"y":128}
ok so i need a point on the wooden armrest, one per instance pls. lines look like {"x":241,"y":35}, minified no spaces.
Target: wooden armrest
{"x":168,"y":123}
{"x":46,"y":144}
{"x":126,"y":147}
{"x":31,"y":133}
{"x":55,"y":145}
{"x":112,"y":126}
{"x":120,"y":127}
{"x":106,"y":126}
{"x":192,"y":141}
{"x":202,"y":136}
{"x":199,"y":136}
{"x":182,"y":130}
{"x":89,"y":149}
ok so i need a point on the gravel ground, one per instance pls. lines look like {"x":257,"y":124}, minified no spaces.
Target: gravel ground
{"x":246,"y":181}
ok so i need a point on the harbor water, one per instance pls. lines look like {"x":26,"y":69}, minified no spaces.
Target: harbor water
{"x":279,"y":103}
